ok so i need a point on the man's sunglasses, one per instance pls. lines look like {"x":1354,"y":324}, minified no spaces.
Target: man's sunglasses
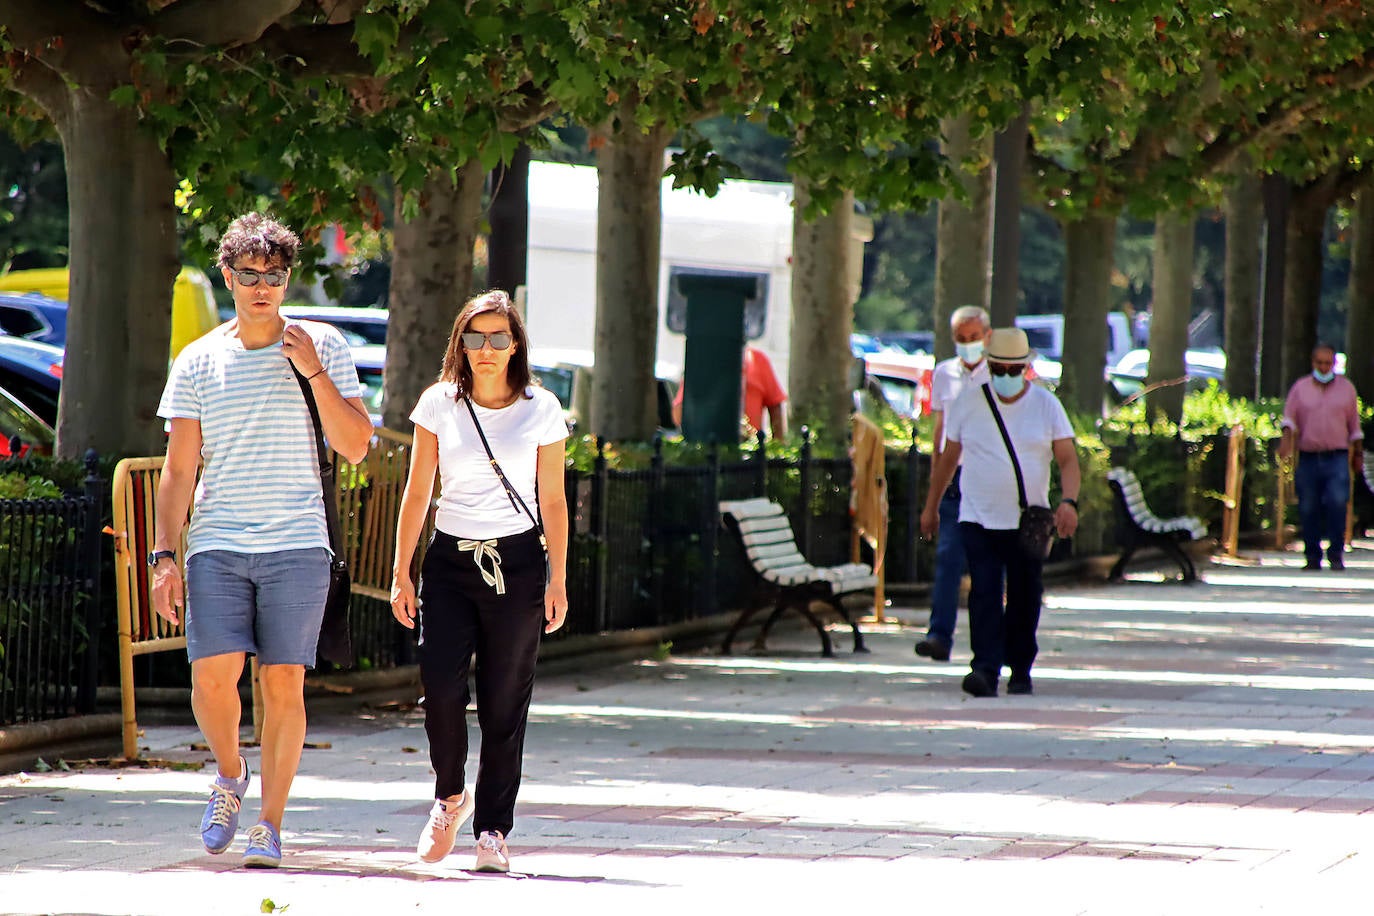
{"x":1005,"y":368}
{"x":250,"y":277}
{"x":473,"y":340}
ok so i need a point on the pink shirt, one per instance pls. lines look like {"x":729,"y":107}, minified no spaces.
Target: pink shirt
{"x":1327,"y":417}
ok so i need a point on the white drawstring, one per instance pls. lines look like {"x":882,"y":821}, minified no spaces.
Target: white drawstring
{"x":482,"y":549}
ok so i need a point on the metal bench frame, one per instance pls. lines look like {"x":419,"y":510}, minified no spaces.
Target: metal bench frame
{"x":783,"y":578}
{"x":1137,"y":526}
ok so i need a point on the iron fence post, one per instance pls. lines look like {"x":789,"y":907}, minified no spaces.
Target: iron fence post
{"x":712,"y":513}
{"x":761,"y":466}
{"x":90,"y":559}
{"x":652,"y":533}
{"x":913,"y":507}
{"x":598,"y":531}
{"x":804,"y":494}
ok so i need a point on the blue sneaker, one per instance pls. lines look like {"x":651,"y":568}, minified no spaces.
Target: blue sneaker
{"x":221,"y":819}
{"x":264,"y":846}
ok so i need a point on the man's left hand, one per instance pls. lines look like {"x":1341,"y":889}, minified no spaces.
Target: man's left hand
{"x":1065,"y":520}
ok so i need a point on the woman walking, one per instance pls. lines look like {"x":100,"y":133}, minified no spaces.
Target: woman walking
{"x":493,"y":574}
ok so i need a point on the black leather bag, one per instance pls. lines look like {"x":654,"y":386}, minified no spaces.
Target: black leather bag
{"x":1035,"y":532}
{"x":336,"y":638}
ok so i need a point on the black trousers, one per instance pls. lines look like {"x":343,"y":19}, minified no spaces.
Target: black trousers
{"x":462,"y":615}
{"x":1001,"y":633}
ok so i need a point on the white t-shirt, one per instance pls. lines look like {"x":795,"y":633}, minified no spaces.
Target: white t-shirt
{"x":1034,"y":422}
{"x":472,"y":502}
{"x":948,"y":380}
{"x":260,"y":489}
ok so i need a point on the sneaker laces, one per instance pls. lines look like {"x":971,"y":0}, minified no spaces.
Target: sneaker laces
{"x":490,"y":841}
{"x":442,"y":818}
{"x":226,"y":804}
{"x":260,"y":835}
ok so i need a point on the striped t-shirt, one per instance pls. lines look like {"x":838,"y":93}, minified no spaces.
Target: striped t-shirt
{"x":259,"y":490}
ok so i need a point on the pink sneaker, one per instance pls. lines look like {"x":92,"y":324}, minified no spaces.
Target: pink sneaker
{"x":442,"y":830}
{"x":492,"y":854}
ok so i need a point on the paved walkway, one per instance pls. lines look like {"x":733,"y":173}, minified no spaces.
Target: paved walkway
{"x":1188,"y":749}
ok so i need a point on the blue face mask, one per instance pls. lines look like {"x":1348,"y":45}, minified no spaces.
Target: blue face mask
{"x":1323,"y":377}
{"x":970,"y":353}
{"x":1008,"y":386}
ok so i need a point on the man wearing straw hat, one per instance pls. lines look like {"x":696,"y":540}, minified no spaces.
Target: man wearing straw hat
{"x":1002,"y":631}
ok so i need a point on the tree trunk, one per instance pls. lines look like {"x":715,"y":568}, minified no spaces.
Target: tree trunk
{"x":629,"y":224}
{"x":1277,"y":197}
{"x":823,"y":297}
{"x":1090,"y":246}
{"x":431,"y":276}
{"x":1244,"y":220}
{"x":123,"y":266}
{"x":1302,"y":282}
{"x":963,"y":266}
{"x":508,"y":245}
{"x":1010,"y":146}
{"x":1359,"y":328}
{"x":1173,"y":289}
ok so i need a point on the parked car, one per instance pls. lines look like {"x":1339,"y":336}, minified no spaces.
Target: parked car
{"x":34,"y":316}
{"x":904,"y":380}
{"x":568,"y":374}
{"x":193,"y":301}
{"x":907,"y":341}
{"x":361,"y":327}
{"x":1127,"y":378}
{"x":21,"y":430}
{"x":32,"y":372}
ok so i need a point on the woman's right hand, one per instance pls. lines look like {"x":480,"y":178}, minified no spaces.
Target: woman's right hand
{"x":403,"y":601}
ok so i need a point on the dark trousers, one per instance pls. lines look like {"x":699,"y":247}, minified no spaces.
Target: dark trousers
{"x":1001,"y":633}
{"x":1322,"y":480}
{"x":462,"y":615}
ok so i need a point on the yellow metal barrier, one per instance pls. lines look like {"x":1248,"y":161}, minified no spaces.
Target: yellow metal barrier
{"x":1235,"y":479}
{"x":369,"y":498}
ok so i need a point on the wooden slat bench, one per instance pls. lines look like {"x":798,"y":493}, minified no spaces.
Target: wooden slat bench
{"x":1137,"y":526}
{"x":783,"y":577}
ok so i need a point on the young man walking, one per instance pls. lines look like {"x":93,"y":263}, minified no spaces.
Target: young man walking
{"x":257,"y":558}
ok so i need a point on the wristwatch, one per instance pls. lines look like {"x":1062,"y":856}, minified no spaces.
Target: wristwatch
{"x":159,"y":554}
{"x":1071,"y":502}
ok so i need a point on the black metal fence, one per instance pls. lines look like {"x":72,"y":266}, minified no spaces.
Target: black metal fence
{"x":50,"y":607}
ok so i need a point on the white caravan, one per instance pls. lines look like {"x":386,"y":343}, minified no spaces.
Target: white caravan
{"x":746,"y":229}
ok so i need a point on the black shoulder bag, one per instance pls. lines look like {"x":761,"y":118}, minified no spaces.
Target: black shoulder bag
{"x":1036,"y":530}
{"x":516,"y":500}
{"x":336,"y":642}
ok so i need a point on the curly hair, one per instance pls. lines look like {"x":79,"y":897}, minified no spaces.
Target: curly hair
{"x":456,"y":368}
{"x":256,"y":235}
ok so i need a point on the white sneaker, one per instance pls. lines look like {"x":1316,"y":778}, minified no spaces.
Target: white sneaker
{"x":442,"y":830}
{"x":492,"y":854}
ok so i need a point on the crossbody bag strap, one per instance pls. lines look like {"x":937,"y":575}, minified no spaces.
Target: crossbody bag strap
{"x":327,"y":470}
{"x":1002,"y":427}
{"x":511,"y":493}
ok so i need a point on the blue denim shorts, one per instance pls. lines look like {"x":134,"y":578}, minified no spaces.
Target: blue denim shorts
{"x":269,"y":604}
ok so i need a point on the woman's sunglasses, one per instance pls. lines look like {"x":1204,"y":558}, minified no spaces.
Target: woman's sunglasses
{"x":473,"y":340}
{"x":1005,"y":368}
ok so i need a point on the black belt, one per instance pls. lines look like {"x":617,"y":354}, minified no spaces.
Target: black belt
{"x":1332,"y":451}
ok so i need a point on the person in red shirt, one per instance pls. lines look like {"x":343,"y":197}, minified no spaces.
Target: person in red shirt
{"x":1322,"y":419}
{"x":762,"y":391}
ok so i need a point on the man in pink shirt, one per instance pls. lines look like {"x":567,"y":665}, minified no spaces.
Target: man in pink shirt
{"x":1322,"y":419}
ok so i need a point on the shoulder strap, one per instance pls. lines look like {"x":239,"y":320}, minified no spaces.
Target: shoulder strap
{"x":511,"y":493}
{"x":327,"y":469}
{"x":1002,"y":428}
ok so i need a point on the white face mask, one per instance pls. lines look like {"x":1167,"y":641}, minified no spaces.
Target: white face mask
{"x":1008,"y":386}
{"x":1323,"y":377}
{"x":970,"y":353}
